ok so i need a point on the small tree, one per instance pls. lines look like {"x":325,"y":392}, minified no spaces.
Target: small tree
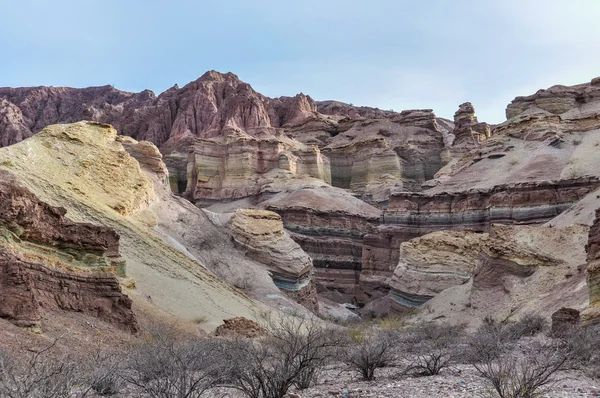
{"x":291,"y":353}
{"x":368,"y":350}
{"x":44,"y":372}
{"x":430,"y":348}
{"x":165,"y":366}
{"x":523,"y":375}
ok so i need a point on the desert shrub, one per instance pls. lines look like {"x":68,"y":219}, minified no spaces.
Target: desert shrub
{"x":583,"y":345}
{"x":391,"y":322}
{"x":493,"y":338}
{"x":368,"y":350}
{"x":44,"y":372}
{"x":163,"y":365}
{"x":432,"y":347}
{"x":523,"y":374}
{"x":103,"y":374}
{"x":528,"y":326}
{"x":291,"y":353}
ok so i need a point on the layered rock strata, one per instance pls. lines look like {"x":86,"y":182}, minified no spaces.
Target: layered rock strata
{"x":433,"y":263}
{"x":410,"y":215}
{"x":329,"y":224}
{"x":261,"y":236}
{"x":372,"y":157}
{"x":233,"y":169}
{"x":48,"y":262}
{"x":521,"y":270}
{"x":167,"y":242}
{"x":467,"y":129}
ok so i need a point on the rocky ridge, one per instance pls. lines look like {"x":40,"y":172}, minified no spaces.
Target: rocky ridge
{"x":229,"y":147}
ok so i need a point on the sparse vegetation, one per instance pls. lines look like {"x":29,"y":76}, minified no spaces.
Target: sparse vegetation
{"x":574,"y":172}
{"x":511,"y":357}
{"x":430,"y":348}
{"x":368,"y":350}
{"x":523,"y":374}
{"x":163,"y":365}
{"x":292,"y":353}
{"x":39,"y":372}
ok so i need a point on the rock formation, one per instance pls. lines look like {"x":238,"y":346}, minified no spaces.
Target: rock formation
{"x":239,"y":327}
{"x":520,"y":270}
{"x":84,"y":168}
{"x":433,"y":263}
{"x":564,"y":321}
{"x":53,"y":263}
{"x":261,"y":236}
{"x":466,"y":127}
{"x":329,"y":224}
{"x":351,"y":184}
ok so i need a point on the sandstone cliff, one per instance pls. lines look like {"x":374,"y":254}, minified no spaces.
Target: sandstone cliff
{"x":261,"y":236}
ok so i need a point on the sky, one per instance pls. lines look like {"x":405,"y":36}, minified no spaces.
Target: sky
{"x":390,"y":54}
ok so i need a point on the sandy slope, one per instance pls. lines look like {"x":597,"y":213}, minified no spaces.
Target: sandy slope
{"x":82,"y":168}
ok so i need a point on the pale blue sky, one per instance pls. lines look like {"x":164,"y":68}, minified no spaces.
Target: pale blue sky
{"x":389,"y":54}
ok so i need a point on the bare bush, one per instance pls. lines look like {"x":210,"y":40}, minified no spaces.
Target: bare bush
{"x":291,"y":353}
{"x":166,"y":366}
{"x":368,"y":350}
{"x":583,"y":345}
{"x":526,"y":374}
{"x":528,"y":326}
{"x":430,"y":348}
{"x":103,"y":374}
{"x":495,"y":338}
{"x":39,"y":373}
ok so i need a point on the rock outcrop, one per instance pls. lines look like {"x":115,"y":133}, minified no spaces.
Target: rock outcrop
{"x":410,"y":215}
{"x":260,"y":234}
{"x":433,"y":263}
{"x":467,"y":130}
{"x":521,"y":270}
{"x":329,"y":224}
{"x":239,"y":327}
{"x":167,"y":243}
{"x":50,"y":262}
{"x":564,"y":322}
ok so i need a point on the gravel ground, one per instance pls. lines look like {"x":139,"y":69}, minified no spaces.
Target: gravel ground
{"x":458,"y":382}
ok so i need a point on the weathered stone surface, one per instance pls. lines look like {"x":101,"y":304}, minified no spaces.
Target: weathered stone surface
{"x":329,"y":225}
{"x":260,"y":234}
{"x":235,"y":169}
{"x":49,"y":262}
{"x":147,"y":155}
{"x":564,"y":321}
{"x":467,"y":130}
{"x":42,"y":106}
{"x":168,"y":243}
{"x":373,"y":157}
{"x":432,"y":263}
{"x":239,"y":327}
{"x":521,"y":270}
{"x":410,"y":215}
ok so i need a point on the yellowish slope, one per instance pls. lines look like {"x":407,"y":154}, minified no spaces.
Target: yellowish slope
{"x":84,"y":168}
